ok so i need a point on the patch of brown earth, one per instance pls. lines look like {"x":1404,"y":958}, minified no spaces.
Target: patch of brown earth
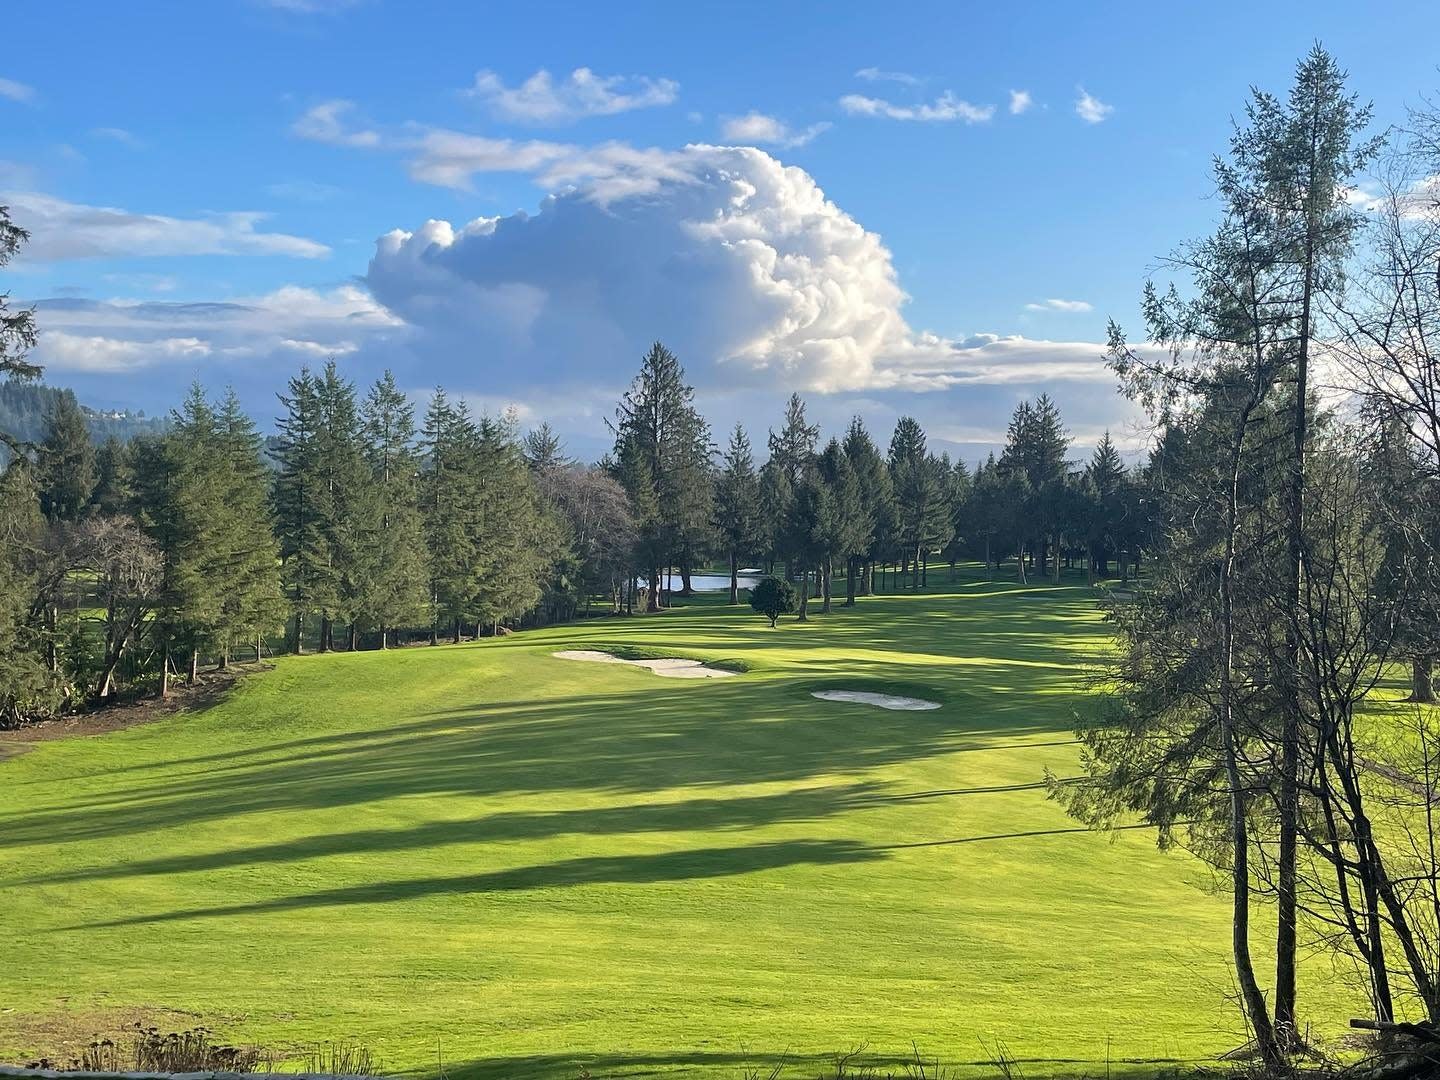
{"x":184,"y":697}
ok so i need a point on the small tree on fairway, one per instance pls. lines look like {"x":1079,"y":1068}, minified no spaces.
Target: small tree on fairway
{"x":773,"y":597}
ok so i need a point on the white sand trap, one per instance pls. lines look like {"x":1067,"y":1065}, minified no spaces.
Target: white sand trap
{"x":885,"y":701}
{"x":672,"y":668}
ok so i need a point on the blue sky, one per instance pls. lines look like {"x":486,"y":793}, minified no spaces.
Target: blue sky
{"x":207,"y":183}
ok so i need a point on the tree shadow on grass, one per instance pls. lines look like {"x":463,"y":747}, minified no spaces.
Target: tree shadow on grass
{"x":652,"y":739}
{"x":687,"y":865}
{"x":709,"y":815}
{"x":740,"y":1063}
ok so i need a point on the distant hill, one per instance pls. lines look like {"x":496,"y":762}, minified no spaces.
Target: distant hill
{"x":24,"y":406}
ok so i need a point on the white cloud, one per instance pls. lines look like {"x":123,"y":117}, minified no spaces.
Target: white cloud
{"x":540,"y":99}
{"x":944,"y":108}
{"x":1020,"y":101}
{"x":758,"y":129}
{"x":738,"y":262}
{"x":1091,"y":109}
{"x":16,"y":91}
{"x":66,"y":230}
{"x":1060,"y":305}
{"x":61,"y":351}
{"x":210,"y":340}
{"x":325,"y":123}
{"x":870,"y":74}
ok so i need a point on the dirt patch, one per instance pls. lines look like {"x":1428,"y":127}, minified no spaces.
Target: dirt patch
{"x":207,"y":691}
{"x":61,"y":1035}
{"x":669,"y":668}
{"x":884,"y":701}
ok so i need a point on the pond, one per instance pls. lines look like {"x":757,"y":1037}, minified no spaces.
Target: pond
{"x":710,"y":582}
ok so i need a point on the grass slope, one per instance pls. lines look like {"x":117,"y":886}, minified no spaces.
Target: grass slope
{"x":539,"y":865}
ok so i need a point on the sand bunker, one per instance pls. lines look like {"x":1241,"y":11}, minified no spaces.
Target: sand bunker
{"x":885,"y":701}
{"x":670,"y":668}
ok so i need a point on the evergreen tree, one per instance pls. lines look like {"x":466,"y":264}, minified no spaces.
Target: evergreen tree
{"x":245,"y":554}
{"x":351,"y":505}
{"x":843,"y":530}
{"x":662,"y":449}
{"x":793,"y":448}
{"x":449,"y":495}
{"x":67,"y":462}
{"x":923,"y":518}
{"x":114,"y":478}
{"x":737,"y":505}
{"x":876,"y":493}
{"x":1106,"y":478}
{"x":394,"y":593}
{"x":302,"y":507}
{"x":17,"y":328}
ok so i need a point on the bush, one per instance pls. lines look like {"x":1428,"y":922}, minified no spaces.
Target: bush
{"x":773,"y":597}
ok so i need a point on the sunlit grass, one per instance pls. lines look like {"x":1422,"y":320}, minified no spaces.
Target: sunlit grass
{"x":538,"y":866}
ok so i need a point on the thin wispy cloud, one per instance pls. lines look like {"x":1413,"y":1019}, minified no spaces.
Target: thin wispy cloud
{"x":326,"y":123}
{"x":870,"y":74}
{"x":11,"y":90}
{"x":946,"y":108}
{"x":1020,"y":101}
{"x":1060,"y":305}
{"x":541,"y":99}
{"x":62,"y":230}
{"x":1090,"y":108}
{"x":758,"y":129}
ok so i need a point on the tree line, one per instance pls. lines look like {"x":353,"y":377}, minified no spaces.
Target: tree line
{"x":360,"y":525}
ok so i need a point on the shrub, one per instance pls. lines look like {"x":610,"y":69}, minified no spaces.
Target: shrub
{"x":773,"y":597}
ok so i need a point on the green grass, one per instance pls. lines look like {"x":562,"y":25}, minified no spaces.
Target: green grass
{"x":538,"y":865}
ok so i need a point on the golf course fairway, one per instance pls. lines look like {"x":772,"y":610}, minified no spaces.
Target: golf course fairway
{"x":485,"y":858}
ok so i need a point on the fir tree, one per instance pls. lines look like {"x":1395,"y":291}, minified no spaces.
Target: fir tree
{"x":67,"y":461}
{"x":737,"y":505}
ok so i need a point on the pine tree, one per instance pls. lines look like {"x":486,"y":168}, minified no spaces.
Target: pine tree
{"x":301,"y":507}
{"x":114,"y":478}
{"x":877,"y":507}
{"x":448,"y":490}
{"x":843,"y":529}
{"x":67,"y":461}
{"x":737,"y":505}
{"x":395,"y":591}
{"x":350,"y":503}
{"x":662,"y":446}
{"x":794,"y":446}
{"x":922,"y":513}
{"x":247,"y":557}
{"x":17,"y":328}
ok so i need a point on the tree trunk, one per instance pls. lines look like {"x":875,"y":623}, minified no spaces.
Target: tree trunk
{"x":915,"y":569}
{"x":825,"y":571}
{"x":802,"y":615}
{"x":852,"y":570}
{"x":1422,"y":680}
{"x":1056,"y":575}
{"x":259,"y":644}
{"x":325,"y":639}
{"x":455,"y":630}
{"x":194,"y":673}
{"x":224,"y":663}
{"x":353,"y":638}
{"x":164,"y":668}
{"x":1020,"y":565}
{"x":734,"y":577}
{"x":685,"y":589}
{"x":384,"y":636}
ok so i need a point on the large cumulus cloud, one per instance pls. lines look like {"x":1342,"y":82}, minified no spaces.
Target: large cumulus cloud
{"x":738,"y":262}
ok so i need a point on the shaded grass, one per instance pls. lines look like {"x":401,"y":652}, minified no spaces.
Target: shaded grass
{"x":541,"y":866}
